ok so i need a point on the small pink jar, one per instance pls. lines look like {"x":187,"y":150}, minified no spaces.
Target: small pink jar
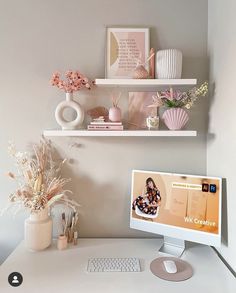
{"x":115,"y":114}
{"x":62,"y":242}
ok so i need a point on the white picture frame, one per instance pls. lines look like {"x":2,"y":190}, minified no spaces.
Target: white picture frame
{"x":124,"y":48}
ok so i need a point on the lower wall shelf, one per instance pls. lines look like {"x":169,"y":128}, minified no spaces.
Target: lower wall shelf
{"x":127,"y":133}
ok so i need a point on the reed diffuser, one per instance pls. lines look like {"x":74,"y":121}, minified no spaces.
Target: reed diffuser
{"x":115,"y":111}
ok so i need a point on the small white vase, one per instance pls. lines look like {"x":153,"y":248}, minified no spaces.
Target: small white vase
{"x":169,"y":64}
{"x":69,"y":103}
{"x":38,"y":230}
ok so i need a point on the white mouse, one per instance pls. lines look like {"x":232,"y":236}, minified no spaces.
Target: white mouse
{"x":170,"y":266}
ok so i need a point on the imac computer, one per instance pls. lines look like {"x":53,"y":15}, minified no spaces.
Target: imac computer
{"x":179,"y":207}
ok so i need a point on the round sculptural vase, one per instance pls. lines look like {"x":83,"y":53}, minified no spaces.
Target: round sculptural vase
{"x":115,"y":114}
{"x":38,"y":230}
{"x":169,"y":64}
{"x":69,"y":103}
{"x":175,"y":118}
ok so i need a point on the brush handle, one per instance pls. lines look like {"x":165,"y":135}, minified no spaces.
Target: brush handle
{"x":152,"y":63}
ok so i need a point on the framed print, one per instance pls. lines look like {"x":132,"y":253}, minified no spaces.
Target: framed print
{"x":138,"y":109}
{"x":126,"y":47}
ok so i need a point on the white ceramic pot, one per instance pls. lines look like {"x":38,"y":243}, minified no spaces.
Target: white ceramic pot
{"x":69,"y":103}
{"x":38,"y":230}
{"x":169,"y":64}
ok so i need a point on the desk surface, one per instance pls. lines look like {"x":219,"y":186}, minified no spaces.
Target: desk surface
{"x":52,"y":271}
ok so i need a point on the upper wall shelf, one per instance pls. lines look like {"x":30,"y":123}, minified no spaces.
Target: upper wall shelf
{"x":144,"y":82}
{"x":129,"y":133}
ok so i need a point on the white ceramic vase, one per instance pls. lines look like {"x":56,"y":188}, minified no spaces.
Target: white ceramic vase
{"x":169,"y":64}
{"x":38,"y":230}
{"x":69,"y":103}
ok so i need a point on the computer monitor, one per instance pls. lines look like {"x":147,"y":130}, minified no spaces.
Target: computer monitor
{"x":179,"y":207}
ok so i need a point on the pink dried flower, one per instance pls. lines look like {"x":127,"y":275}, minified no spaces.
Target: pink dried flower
{"x":74,"y":81}
{"x":68,"y":73}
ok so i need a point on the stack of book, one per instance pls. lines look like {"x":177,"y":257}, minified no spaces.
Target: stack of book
{"x":101,"y":124}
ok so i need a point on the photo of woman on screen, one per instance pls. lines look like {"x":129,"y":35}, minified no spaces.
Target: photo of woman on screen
{"x":150,"y":200}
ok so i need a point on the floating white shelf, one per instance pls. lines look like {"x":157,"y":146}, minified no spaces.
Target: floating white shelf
{"x":129,"y":133}
{"x":144,"y":82}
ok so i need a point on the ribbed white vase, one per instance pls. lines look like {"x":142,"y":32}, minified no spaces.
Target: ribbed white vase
{"x":38,"y":230}
{"x":169,"y":64}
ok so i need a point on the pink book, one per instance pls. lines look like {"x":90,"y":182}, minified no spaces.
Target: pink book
{"x":109,"y":123}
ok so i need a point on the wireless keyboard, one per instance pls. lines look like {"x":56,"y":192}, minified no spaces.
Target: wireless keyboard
{"x":113,"y":265}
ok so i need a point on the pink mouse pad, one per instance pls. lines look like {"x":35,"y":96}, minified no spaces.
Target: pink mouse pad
{"x":184,"y":269}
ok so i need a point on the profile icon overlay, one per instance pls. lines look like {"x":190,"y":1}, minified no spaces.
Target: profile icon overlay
{"x":15,"y":279}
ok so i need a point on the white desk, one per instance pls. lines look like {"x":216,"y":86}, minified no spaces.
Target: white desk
{"x":52,"y":271}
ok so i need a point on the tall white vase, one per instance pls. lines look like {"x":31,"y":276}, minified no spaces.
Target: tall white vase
{"x":69,"y":103}
{"x":169,"y":64}
{"x":38,"y":230}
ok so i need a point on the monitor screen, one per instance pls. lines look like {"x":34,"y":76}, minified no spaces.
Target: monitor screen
{"x":181,"y":206}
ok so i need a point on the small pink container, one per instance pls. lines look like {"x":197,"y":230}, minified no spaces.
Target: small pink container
{"x":115,"y":114}
{"x":62,"y":242}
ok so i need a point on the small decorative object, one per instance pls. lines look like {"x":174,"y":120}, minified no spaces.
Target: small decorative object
{"x":139,"y":110}
{"x":140,"y":72}
{"x":124,"y":46}
{"x":97,"y":112}
{"x":115,"y":111}
{"x":69,"y":223}
{"x":169,"y":64}
{"x":152,"y":122}
{"x":62,"y":242}
{"x":40,"y":187}
{"x":75,"y":240}
{"x":176,"y":117}
{"x":74,"y":82}
{"x":152,"y":64}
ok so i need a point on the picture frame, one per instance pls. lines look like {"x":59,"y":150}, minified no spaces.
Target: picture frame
{"x":138,"y":109}
{"x":125,"y":47}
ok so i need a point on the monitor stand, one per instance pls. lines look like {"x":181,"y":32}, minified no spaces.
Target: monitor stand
{"x":172,"y":246}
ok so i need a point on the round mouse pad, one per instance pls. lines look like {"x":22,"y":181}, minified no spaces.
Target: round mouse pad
{"x":184,"y":269}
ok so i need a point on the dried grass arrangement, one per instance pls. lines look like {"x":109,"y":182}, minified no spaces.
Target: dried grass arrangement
{"x":38,"y":179}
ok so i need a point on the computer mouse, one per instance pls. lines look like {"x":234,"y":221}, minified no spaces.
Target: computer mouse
{"x":170,"y":266}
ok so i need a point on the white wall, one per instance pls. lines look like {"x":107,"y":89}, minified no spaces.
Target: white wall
{"x":39,"y":37}
{"x":221,"y":150}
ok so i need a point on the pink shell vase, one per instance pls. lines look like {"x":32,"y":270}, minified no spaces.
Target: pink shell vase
{"x":175,"y":118}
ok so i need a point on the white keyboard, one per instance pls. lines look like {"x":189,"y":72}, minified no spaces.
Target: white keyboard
{"x":113,"y":265}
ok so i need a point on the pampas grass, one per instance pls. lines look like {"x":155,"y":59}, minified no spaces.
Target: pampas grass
{"x":38,"y":178}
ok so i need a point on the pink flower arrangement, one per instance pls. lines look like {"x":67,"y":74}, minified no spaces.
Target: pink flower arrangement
{"x":74,"y":81}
